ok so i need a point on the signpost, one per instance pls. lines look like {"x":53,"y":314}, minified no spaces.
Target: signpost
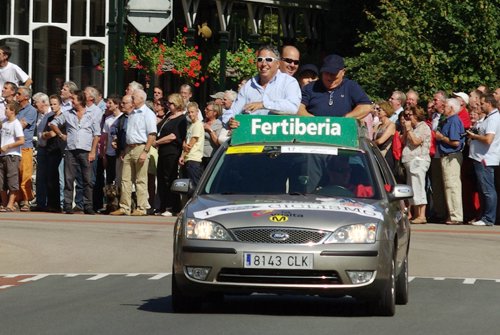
{"x":151,"y":16}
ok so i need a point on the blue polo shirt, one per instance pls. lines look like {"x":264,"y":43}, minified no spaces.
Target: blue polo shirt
{"x":29,"y":114}
{"x":452,"y":128}
{"x":345,"y":98}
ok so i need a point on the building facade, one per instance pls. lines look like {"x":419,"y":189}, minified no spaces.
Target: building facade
{"x":59,"y":40}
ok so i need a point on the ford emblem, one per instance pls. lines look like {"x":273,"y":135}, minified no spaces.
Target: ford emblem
{"x":280,"y":236}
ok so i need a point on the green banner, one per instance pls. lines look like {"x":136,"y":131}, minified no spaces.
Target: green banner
{"x":339,"y":131}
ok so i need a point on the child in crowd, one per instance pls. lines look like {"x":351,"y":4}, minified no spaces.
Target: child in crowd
{"x":192,"y":148}
{"x":12,"y":138}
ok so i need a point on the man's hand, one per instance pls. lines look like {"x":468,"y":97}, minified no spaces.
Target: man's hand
{"x":142,"y":157}
{"x":439,"y":136}
{"x":253,"y":106}
{"x":233,"y":123}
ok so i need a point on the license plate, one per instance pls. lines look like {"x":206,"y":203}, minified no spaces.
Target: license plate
{"x":278,"y":261}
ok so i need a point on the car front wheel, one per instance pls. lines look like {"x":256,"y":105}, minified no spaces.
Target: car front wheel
{"x":385,"y":305}
{"x":182,"y":303}
{"x":402,"y":284}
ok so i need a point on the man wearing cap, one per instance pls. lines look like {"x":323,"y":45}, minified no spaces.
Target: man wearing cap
{"x":218,"y":98}
{"x":464,"y":113}
{"x":334,"y":95}
{"x":290,"y":59}
{"x":270,"y":92}
{"x":307,"y":73}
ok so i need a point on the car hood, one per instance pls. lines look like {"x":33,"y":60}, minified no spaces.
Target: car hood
{"x":308,"y":211}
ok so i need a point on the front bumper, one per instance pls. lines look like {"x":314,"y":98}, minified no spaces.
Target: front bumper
{"x":327,"y":277}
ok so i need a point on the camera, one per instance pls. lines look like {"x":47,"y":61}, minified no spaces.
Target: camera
{"x":472,"y":130}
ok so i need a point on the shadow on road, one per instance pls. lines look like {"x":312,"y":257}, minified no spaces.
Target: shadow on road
{"x":275,"y":305}
{"x":157,"y":305}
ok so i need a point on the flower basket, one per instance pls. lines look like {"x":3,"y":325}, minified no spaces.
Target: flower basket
{"x":155,"y":57}
{"x":240,"y":64}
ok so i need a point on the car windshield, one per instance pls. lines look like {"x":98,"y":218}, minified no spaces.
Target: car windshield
{"x":293,"y":169}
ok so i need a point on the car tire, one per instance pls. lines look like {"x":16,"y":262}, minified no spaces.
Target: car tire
{"x":402,"y":284}
{"x":182,"y":303}
{"x":385,"y":305}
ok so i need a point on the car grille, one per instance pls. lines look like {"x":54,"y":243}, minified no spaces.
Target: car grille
{"x":293,"y":235}
{"x":272,"y":276}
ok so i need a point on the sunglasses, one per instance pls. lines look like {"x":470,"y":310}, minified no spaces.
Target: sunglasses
{"x":267,"y":59}
{"x":290,"y":61}
{"x":407,"y":116}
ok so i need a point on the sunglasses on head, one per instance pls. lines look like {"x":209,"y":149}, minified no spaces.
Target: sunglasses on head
{"x":290,"y":61}
{"x":267,"y":59}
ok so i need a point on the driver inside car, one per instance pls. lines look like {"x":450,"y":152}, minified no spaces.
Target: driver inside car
{"x":340,"y":182}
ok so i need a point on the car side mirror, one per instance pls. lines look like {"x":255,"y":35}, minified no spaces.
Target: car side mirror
{"x":183,"y":186}
{"x":401,"y":192}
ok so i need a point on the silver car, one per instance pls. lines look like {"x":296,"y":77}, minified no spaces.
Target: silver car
{"x":299,"y":218}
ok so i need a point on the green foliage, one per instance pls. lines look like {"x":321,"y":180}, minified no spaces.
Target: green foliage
{"x":431,"y":45}
{"x":240,"y":64}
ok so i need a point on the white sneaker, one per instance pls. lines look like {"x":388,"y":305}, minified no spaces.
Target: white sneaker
{"x":479,"y":223}
{"x":167,"y":213}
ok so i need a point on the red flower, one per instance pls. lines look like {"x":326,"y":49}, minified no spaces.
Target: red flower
{"x":195,"y":47}
{"x":155,"y":40}
{"x":185,"y":29}
{"x":202,"y":79}
{"x":197,"y":84}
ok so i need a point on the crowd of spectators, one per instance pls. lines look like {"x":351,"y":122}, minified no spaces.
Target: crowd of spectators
{"x":447,"y":152}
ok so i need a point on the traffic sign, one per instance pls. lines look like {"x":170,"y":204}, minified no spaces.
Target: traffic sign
{"x":149,"y":16}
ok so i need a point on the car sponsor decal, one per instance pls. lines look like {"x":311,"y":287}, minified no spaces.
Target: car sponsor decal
{"x":278,"y":218}
{"x":246,"y":149}
{"x":343,"y":205}
{"x":309,"y":150}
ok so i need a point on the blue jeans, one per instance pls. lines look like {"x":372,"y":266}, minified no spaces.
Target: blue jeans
{"x":77,"y":161}
{"x":194,"y":170}
{"x":486,"y":180}
{"x":41,"y":177}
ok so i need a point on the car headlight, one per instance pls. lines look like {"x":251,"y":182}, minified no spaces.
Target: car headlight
{"x":356,"y":233}
{"x":206,"y":230}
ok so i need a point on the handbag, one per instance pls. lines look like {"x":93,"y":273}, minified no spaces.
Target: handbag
{"x":397,"y":146}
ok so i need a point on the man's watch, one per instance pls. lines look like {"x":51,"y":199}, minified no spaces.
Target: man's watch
{"x":146,"y":150}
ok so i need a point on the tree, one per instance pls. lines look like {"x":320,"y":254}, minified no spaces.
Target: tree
{"x":428,"y":46}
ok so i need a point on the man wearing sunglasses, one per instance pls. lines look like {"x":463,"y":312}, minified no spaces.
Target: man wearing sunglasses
{"x":333,"y":94}
{"x":270,"y":92}
{"x":290,"y":59}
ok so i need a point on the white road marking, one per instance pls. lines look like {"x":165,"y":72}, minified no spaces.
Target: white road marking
{"x":10,"y":276}
{"x":5,"y":286}
{"x":35,"y":278}
{"x":99,"y":276}
{"x":469,"y":281}
{"x":132,"y":274}
{"x":439,"y":278}
{"x":410,"y":279}
{"x":71,"y":275}
{"x":159,"y":276}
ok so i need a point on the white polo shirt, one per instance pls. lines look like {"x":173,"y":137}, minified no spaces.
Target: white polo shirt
{"x":480,"y":151}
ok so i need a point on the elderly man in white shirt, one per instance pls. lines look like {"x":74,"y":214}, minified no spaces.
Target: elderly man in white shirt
{"x":140,"y":136}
